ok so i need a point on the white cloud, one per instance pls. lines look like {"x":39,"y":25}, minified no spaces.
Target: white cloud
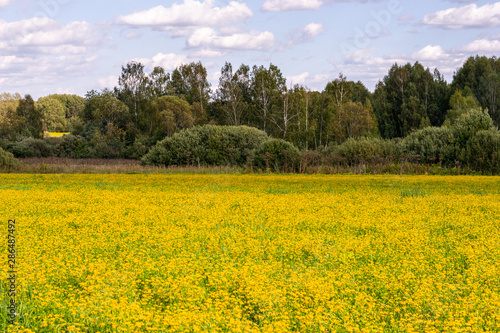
{"x":169,"y":61}
{"x":430,"y":53}
{"x":4,"y":3}
{"x":245,"y":40}
{"x":42,"y":51}
{"x":481,"y":46}
{"x":298,"y":79}
{"x":286,"y":5}
{"x":313,"y":29}
{"x":470,"y":16}
{"x":311,"y":81}
{"x":108,"y":82}
{"x":44,"y":35}
{"x":189,"y":14}
{"x":18,"y":70}
{"x":304,"y":34}
{"x":208,"y":53}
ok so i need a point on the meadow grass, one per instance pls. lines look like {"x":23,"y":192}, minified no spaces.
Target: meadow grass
{"x":253,"y":253}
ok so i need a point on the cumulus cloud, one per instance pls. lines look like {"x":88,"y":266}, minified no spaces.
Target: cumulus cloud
{"x":481,"y":46}
{"x":44,"y":35}
{"x":315,"y":81}
{"x":108,"y":82}
{"x":287,"y":5}
{"x":18,"y":71}
{"x":169,"y":61}
{"x":208,"y":53}
{"x":470,"y":16}
{"x":4,"y":3}
{"x":370,"y":68}
{"x":44,"y":51}
{"x":244,"y":40}
{"x":430,"y":53}
{"x":313,"y":29}
{"x":298,"y":79}
{"x":189,"y":14}
{"x":304,"y":34}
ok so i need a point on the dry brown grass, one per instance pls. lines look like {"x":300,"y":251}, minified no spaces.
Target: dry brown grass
{"x":109,"y":166}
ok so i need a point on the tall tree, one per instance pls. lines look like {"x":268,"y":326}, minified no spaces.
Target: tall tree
{"x":31,"y":117}
{"x":197,"y":88}
{"x":132,"y":84}
{"x":158,"y":84}
{"x":53,"y":112}
{"x":348,"y":117}
{"x":409,"y":97}
{"x":460,"y":105}
{"x":174,"y":114}
{"x":267,"y":85}
{"x":231,"y":92}
{"x":8,"y":102}
{"x":482,"y":75}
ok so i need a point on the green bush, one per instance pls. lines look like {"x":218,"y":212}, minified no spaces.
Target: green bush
{"x":103,"y":149}
{"x":7,"y":160}
{"x":206,"y":145}
{"x":431,"y":145}
{"x":482,"y":152}
{"x":21,"y":150}
{"x":277,"y":155}
{"x":41,"y":148}
{"x":72,"y":146}
{"x":138,"y":149}
{"x":468,"y":124}
{"x":366,"y":150}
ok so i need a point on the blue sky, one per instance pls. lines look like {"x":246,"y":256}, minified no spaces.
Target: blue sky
{"x":73,"y":46}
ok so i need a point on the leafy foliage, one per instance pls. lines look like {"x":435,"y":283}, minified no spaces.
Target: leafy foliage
{"x":206,"y":145}
{"x":7,"y":160}
{"x":432,"y":145}
{"x":366,"y":150}
{"x":277,"y":155}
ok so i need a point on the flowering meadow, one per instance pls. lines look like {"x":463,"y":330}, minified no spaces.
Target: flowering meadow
{"x":252,"y":253}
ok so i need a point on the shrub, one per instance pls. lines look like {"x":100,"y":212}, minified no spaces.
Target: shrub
{"x":431,"y":145}
{"x":365,"y":150}
{"x":138,"y":149}
{"x":103,"y":149}
{"x":468,"y":124}
{"x":20,"y":150}
{"x":277,"y":155}
{"x":206,"y":145}
{"x":7,"y":160}
{"x":41,"y":148}
{"x":72,"y":146}
{"x":482,"y":152}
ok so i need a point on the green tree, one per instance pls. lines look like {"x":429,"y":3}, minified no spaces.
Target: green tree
{"x":482,"y":75}
{"x":413,"y":115}
{"x":8,"y":102}
{"x":349,"y":118}
{"x":132,"y":85}
{"x":31,"y":117}
{"x":53,"y":112}
{"x":267,"y":84}
{"x":195,"y":88}
{"x":174,"y":114}
{"x":459,"y":105}
{"x":233,"y":86}
{"x":408,"y":98}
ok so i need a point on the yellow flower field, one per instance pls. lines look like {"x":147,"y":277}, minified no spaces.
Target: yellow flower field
{"x":253,"y":253}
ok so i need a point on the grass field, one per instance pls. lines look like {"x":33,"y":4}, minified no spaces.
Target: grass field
{"x":253,"y":253}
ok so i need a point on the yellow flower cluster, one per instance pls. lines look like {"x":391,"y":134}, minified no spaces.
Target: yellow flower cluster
{"x":253,"y":253}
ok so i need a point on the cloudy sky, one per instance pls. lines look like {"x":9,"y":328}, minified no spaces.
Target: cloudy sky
{"x":73,"y":46}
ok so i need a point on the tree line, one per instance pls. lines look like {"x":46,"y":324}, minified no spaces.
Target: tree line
{"x":145,"y":108}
